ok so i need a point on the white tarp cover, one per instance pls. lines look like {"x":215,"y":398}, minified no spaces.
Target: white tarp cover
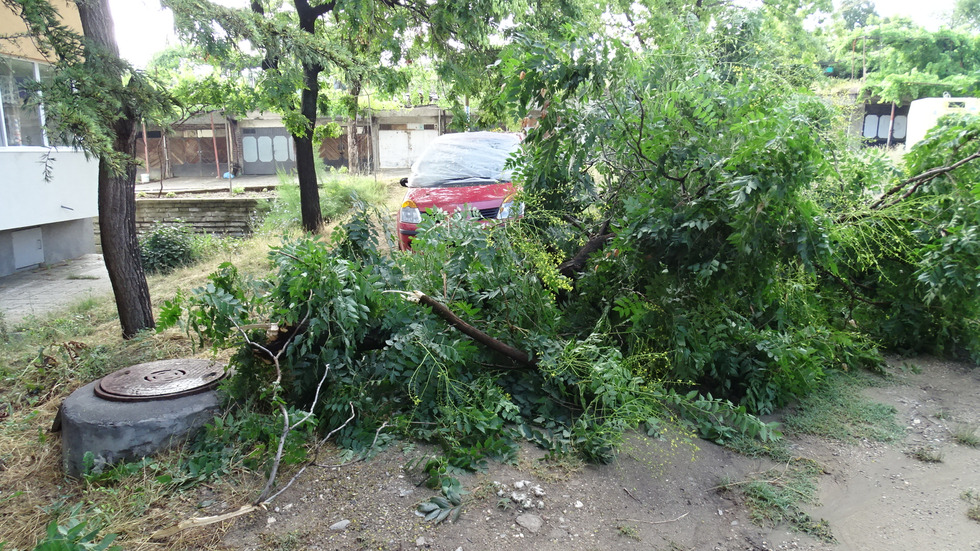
{"x":464,"y":159}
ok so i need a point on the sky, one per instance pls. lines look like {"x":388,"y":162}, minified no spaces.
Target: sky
{"x":143,"y":27}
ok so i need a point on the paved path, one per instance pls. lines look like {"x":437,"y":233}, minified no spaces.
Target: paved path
{"x":43,"y":290}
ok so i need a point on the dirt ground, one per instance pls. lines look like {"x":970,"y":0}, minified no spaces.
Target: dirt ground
{"x":659,"y":494}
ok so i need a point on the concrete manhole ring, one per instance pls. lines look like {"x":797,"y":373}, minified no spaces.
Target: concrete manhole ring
{"x":160,"y":380}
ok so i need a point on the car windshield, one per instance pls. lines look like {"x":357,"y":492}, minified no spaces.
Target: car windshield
{"x":464,"y":159}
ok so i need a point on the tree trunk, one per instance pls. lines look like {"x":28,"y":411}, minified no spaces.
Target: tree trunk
{"x":117,"y":192}
{"x":309,"y":194}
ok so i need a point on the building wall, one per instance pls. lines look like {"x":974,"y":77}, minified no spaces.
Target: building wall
{"x":61,"y":241}
{"x":11,"y":24}
{"x":28,"y":200}
{"x":47,"y":219}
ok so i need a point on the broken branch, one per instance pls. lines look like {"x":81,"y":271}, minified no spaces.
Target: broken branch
{"x":445,"y":313}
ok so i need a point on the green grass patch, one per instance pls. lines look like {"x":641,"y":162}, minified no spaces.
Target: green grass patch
{"x":338,"y":193}
{"x":753,"y":447}
{"x":837,"y":410}
{"x":776,"y":496}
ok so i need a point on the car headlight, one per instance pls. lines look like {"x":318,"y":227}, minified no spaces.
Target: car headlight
{"x":510,"y":209}
{"x":410,"y":213}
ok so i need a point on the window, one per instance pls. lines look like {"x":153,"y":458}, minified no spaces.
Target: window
{"x":876,"y":127}
{"x":22,"y":119}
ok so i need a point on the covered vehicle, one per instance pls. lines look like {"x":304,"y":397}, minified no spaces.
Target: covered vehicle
{"x":468,"y":170}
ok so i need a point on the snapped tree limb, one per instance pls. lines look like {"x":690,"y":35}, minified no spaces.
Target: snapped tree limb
{"x":445,"y":313}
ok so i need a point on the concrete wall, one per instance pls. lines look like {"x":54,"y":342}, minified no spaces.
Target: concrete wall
{"x":61,"y":240}
{"x":27,"y":200}
{"x":62,"y":207}
{"x":229,"y":216}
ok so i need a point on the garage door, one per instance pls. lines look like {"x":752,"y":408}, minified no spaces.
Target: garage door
{"x":267,"y":150}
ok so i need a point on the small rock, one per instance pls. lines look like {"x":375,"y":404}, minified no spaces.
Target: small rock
{"x":340,"y":525}
{"x":420,"y":542}
{"x":531,"y":522}
{"x":270,"y":520}
{"x":519,"y":485}
{"x":579,"y":505}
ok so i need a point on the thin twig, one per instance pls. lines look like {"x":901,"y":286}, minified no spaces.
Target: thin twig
{"x":629,"y":493}
{"x":316,"y":451}
{"x":653,"y":521}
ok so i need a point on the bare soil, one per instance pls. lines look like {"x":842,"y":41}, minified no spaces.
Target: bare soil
{"x":659,"y":493}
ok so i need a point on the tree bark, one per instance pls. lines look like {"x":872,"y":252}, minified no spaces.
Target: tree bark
{"x":445,"y":313}
{"x":309,"y":194}
{"x":117,"y":191}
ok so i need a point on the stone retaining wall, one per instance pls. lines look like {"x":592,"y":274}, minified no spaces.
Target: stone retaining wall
{"x":231,"y":216}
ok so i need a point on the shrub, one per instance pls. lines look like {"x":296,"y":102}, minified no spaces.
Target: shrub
{"x":166,"y":247}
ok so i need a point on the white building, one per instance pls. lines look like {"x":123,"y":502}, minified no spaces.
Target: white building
{"x":42,"y":221}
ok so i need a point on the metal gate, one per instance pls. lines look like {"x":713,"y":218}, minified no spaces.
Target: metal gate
{"x":267,"y":150}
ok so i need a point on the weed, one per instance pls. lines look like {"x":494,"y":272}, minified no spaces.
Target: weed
{"x":967,"y":435}
{"x":290,"y":541}
{"x":909,"y":367}
{"x":752,"y":447}
{"x":555,"y":467}
{"x":837,"y":410}
{"x":775,"y":496}
{"x":926,"y":454}
{"x":629,"y":531}
{"x":75,"y":535}
{"x":237,"y":190}
{"x":972,"y":497}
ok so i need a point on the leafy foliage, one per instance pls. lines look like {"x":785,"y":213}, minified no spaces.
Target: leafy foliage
{"x":75,"y":535}
{"x":403,"y":370}
{"x":165,"y":247}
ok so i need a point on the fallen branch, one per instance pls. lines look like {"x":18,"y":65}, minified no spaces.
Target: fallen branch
{"x":918,"y":181}
{"x":445,"y":313}
{"x":653,"y":521}
{"x":572,"y":266}
{"x":203,"y":521}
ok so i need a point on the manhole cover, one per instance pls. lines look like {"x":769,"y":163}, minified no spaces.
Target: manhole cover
{"x":159,"y":380}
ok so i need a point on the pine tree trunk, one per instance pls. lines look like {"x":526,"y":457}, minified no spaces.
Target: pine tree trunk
{"x":117,"y":193}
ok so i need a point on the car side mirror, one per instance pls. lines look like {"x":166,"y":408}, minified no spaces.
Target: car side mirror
{"x":404,"y":181}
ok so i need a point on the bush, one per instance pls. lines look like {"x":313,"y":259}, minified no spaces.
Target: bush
{"x":166,"y":247}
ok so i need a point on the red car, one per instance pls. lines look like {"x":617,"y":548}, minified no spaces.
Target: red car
{"x":457,"y":170}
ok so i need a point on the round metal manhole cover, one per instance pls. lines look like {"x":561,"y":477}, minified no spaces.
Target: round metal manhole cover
{"x":160,"y":380}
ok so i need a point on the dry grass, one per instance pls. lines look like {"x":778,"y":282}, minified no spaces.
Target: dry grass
{"x":33,"y":487}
